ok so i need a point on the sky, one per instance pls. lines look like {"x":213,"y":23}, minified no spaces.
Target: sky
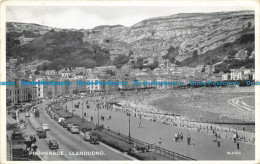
{"x":88,"y":17}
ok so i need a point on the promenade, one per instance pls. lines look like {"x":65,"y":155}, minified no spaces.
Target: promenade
{"x":205,"y":147}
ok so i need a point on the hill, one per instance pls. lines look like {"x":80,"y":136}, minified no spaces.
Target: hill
{"x":193,"y":39}
{"x":63,"y":48}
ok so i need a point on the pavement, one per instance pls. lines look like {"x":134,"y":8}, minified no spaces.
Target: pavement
{"x":72,"y":146}
{"x":205,"y":147}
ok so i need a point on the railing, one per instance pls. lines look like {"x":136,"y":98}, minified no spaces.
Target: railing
{"x":171,"y":154}
{"x":159,"y":150}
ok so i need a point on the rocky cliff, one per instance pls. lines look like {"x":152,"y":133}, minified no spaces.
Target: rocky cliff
{"x":200,"y":32}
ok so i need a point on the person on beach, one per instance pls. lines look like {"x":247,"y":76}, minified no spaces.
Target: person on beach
{"x":181,"y":135}
{"x":188,"y":139}
{"x":175,"y":137}
{"x":235,"y":137}
{"x":160,"y":142}
{"x":193,"y":142}
{"x":237,"y":145}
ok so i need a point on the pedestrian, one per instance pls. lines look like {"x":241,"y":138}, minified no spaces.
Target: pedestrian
{"x":181,"y":136}
{"x":34,"y":147}
{"x":160,"y":141}
{"x":175,"y":136}
{"x":188,"y":139}
{"x":218,"y":141}
{"x":234,"y":137}
{"x":193,"y":142}
{"x":25,"y":124}
{"x":34,"y":139}
{"x":31,"y":138}
{"x":237,"y":145}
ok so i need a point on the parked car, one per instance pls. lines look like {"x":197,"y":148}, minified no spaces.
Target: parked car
{"x":17,"y":134}
{"x":27,"y":114}
{"x":45,"y":127}
{"x":74,"y":129}
{"x":60,"y":119}
{"x":41,"y":133}
{"x":87,"y":136}
{"x":52,"y":115}
{"x":69,"y":126}
{"x":86,"y":129}
{"x":56,"y":117}
{"x":94,"y":139}
{"x":63,"y":124}
{"x":53,"y":144}
{"x":36,"y":113}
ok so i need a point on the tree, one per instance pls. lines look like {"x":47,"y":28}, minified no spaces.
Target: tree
{"x":37,"y":72}
{"x":121,"y":60}
{"x":203,"y":68}
{"x":249,"y":24}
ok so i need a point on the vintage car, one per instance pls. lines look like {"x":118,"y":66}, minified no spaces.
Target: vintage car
{"x":87,"y":136}
{"x":45,"y":127}
{"x":74,"y":129}
{"x":53,"y":144}
{"x":41,"y":133}
{"x":94,"y":139}
{"x":60,"y":119}
{"x":63,"y":124}
{"x":17,"y":134}
{"x":56,"y":117}
{"x":27,"y":114}
{"x":69,"y":125}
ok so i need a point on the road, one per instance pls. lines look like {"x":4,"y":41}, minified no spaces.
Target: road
{"x":70,"y":144}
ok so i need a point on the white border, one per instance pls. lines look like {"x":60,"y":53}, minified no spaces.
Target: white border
{"x":242,"y":3}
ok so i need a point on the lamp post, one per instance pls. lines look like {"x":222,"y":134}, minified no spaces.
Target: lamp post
{"x":98,"y":115}
{"x":82,"y":113}
{"x":72,"y":107}
{"x":129,"y":135}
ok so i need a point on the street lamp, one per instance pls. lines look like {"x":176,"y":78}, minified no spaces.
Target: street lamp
{"x":82,"y":113}
{"x":72,"y":107}
{"x":129,"y":140}
{"x":98,"y":115}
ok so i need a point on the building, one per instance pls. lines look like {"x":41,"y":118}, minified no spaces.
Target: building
{"x":92,"y":78}
{"x":105,"y":70}
{"x":117,"y":52}
{"x":226,"y":77}
{"x":80,"y":70}
{"x":66,"y":73}
{"x":235,"y":74}
{"x":42,"y":90}
{"x":241,"y":54}
{"x":23,"y":40}
{"x":50,"y":73}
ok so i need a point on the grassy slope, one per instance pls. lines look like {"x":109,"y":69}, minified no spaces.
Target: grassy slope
{"x":63,"y":49}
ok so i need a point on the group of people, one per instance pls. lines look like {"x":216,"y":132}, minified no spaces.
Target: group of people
{"x":178,"y":136}
{"x":31,"y":144}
